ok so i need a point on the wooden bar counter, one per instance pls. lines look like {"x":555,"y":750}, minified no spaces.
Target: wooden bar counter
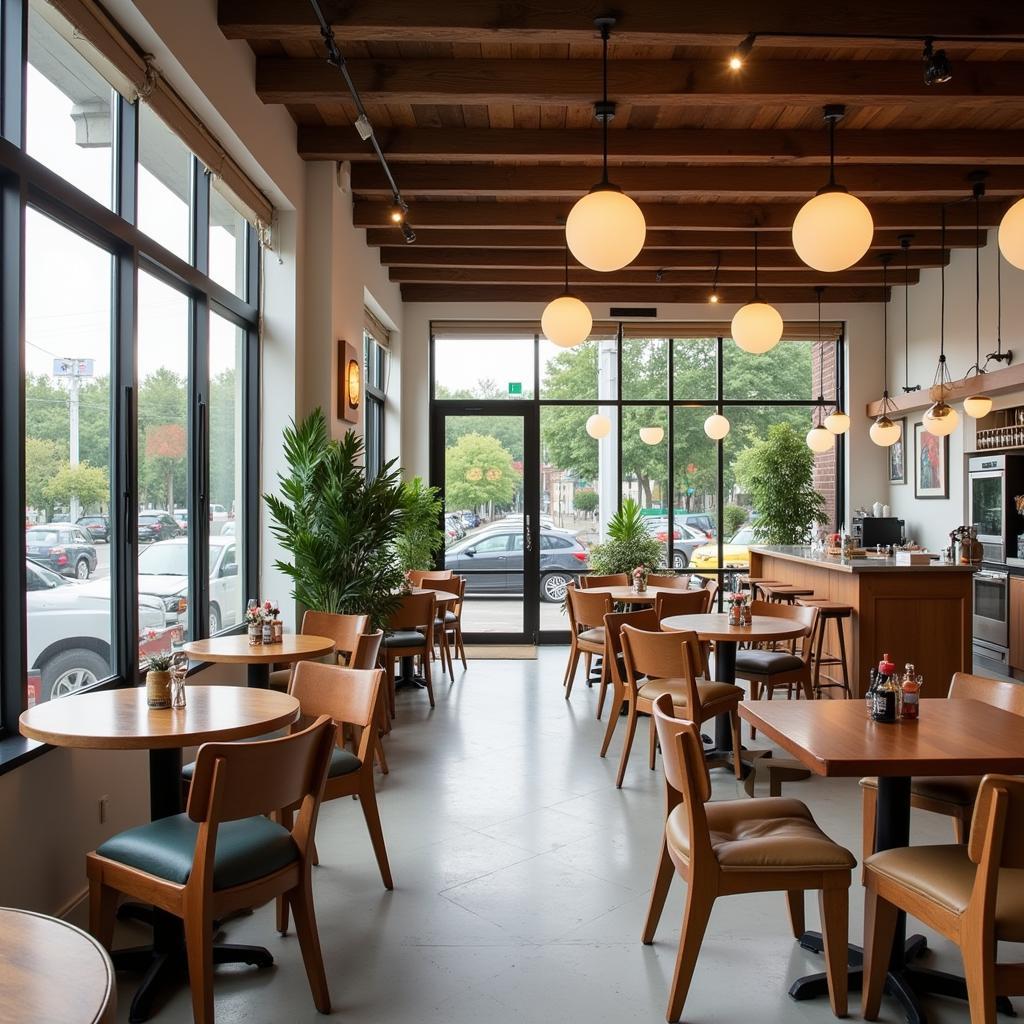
{"x":916,"y":613}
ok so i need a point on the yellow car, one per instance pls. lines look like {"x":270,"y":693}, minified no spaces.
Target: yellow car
{"x":736,"y":552}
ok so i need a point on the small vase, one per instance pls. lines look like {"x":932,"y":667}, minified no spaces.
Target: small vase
{"x":255,"y":635}
{"x":278,"y":631}
{"x":735,"y":615}
{"x":640,"y":586}
{"x":268,"y":633}
{"x":158,"y":689}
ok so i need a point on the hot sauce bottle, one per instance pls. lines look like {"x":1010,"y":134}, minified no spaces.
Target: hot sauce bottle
{"x":883,"y":705}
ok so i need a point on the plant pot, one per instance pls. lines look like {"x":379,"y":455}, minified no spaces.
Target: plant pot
{"x":255,"y":635}
{"x":158,"y":689}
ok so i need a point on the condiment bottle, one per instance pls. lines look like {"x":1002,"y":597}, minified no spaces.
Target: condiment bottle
{"x":911,"y":696}
{"x":869,"y":693}
{"x":883,"y":705}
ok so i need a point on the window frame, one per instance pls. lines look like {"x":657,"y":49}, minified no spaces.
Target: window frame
{"x":375,"y":403}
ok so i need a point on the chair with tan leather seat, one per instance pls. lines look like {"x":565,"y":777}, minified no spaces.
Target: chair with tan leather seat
{"x":952,"y":795}
{"x":586,"y":635}
{"x":616,"y":579}
{"x":731,"y":847}
{"x":424,"y":577}
{"x":672,"y":663}
{"x":973,"y":895}
{"x":344,"y":630}
{"x":641,"y":618}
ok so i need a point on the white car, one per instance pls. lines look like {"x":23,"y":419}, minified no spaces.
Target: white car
{"x":69,"y":630}
{"x":163,"y":574}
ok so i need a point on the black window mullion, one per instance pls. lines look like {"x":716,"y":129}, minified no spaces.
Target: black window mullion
{"x":198,"y":467}
{"x":200,"y":229}
{"x":251,"y":448}
{"x":13,"y":51}
{"x":126,"y":156}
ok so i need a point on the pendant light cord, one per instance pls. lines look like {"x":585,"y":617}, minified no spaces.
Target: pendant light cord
{"x":605,"y":33}
{"x":821,"y":358}
{"x":885,"y":329}
{"x":832,"y":152}
{"x":977,"y":281}
{"x":757,"y":295}
{"x":566,"y":268}
{"x":942,"y":293}
{"x":999,"y":301}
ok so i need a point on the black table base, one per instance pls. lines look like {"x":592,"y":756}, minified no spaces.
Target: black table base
{"x":408,"y":679}
{"x":257,"y":675}
{"x":719,"y":754}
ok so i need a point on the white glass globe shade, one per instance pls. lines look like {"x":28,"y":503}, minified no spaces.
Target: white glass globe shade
{"x":599,"y":426}
{"x":1011,"y":235}
{"x":977,"y":406}
{"x":837,"y":422}
{"x":605,"y":230}
{"x":820,"y":440}
{"x":757,"y":327}
{"x":884,"y":432}
{"x":716,"y":426}
{"x":832,"y":231}
{"x":566,"y":321}
{"x":651,"y":435}
{"x":944,"y":423}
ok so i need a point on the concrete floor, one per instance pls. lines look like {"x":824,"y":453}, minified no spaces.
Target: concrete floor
{"x":521,"y":883}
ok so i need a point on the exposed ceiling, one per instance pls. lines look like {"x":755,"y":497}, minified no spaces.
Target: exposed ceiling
{"x":484,"y":108}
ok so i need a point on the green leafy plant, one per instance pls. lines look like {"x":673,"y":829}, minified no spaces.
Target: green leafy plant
{"x":778,"y":473}
{"x":628,"y":546}
{"x":421,"y":537}
{"x":341,"y":529}
{"x":734,"y":517}
{"x":585,"y":501}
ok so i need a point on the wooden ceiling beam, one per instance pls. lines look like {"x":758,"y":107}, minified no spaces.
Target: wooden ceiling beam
{"x":645,"y":21}
{"x":672,"y":145}
{"x":734,"y":217}
{"x":662,"y":83}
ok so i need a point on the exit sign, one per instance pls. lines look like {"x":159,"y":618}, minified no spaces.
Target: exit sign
{"x":515,"y":387}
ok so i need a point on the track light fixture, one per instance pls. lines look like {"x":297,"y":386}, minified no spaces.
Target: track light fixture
{"x":937,"y":70}
{"x":398,"y":209}
{"x":739,"y":56}
{"x":408,"y":234}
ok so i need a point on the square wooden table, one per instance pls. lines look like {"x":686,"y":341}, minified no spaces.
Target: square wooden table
{"x":837,"y":738}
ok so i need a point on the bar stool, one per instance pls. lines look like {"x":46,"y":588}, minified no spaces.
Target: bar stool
{"x":785,"y":593}
{"x":829,"y":611}
{"x":754,"y":584}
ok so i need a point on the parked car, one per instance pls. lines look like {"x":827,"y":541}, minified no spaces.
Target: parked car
{"x":702,"y":521}
{"x":735,"y":553}
{"x":499,"y":551}
{"x":155,"y":525}
{"x":685,"y":539}
{"x":163,"y":573}
{"x":68,"y":628}
{"x":63,"y":548}
{"x":470,"y":520}
{"x":181,"y":518}
{"x":453,"y":523}
{"x":97,"y":527}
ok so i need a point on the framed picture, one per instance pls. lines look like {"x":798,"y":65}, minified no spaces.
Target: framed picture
{"x":931,"y":464}
{"x":898,"y":456}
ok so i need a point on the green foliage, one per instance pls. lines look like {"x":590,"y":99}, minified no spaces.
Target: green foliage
{"x":628,"y":545}
{"x":340,"y":528}
{"x":478,"y":471}
{"x":778,"y":473}
{"x":585,"y":501}
{"x":43,"y":459}
{"x":89,"y":484}
{"x":421,"y":536}
{"x":734,"y":517}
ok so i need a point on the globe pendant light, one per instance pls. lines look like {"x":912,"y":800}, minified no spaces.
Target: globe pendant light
{"x":716,"y":426}
{"x":1011,"y":235}
{"x":605,"y":229}
{"x":885,"y":431}
{"x":941,"y":418}
{"x":652,"y":435}
{"x":819,"y":438}
{"x":832,"y":230}
{"x":905,"y":246}
{"x":757,"y":326}
{"x":980,"y":405}
{"x":599,"y":426}
{"x":566,"y":320}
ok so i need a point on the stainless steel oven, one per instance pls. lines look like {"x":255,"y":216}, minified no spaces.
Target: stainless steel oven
{"x":986,"y":480}
{"x":991,"y":614}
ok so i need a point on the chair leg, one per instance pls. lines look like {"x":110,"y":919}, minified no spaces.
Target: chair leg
{"x":627,"y":745}
{"x":652,"y":744}
{"x":755,"y":694}
{"x":795,"y":902}
{"x":604,"y":687}
{"x":979,"y":953}
{"x":737,"y":743}
{"x":368,"y":802}
{"x":379,"y":756}
{"x":460,"y":644}
{"x":301,"y":899}
{"x":199,"y":951}
{"x":695,"y":921}
{"x":428,"y":680}
{"x":879,"y":931}
{"x":570,"y":669}
{"x":869,"y":803}
{"x":818,"y":640}
{"x":662,"y":883}
{"x":834,"y":908}
{"x":842,"y":654}
{"x":389,"y":671}
{"x":102,"y":912}
{"x":285,"y":818}
{"x":586,"y":667}
{"x":613,"y":717}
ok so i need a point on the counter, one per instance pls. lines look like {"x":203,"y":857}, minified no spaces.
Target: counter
{"x":917,"y":613}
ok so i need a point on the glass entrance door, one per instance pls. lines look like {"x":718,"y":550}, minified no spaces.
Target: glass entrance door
{"x":485,"y":462}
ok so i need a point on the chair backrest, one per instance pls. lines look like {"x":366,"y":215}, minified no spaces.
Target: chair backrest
{"x":241,"y":780}
{"x":658,"y":580}
{"x":415,"y":610}
{"x":588,"y":610}
{"x":658,"y":655}
{"x":645,"y":618}
{"x":456,"y":585}
{"x":367,"y":650}
{"x":344,"y":630}
{"x":344,"y":694}
{"x":1000,"y":693}
{"x":681,"y":602}
{"x":997,"y":828}
{"x":712,"y":591}
{"x":618,"y":579}
{"x":805,"y":616}
{"x":417,"y":576}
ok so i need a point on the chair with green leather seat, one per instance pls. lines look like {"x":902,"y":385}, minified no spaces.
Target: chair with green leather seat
{"x":224,"y":854}
{"x":410,"y":634}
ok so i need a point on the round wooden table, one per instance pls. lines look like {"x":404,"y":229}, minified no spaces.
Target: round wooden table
{"x":627,"y":595}
{"x":727,"y":637}
{"x":52,"y":971}
{"x":121,"y":720}
{"x":236,"y":650}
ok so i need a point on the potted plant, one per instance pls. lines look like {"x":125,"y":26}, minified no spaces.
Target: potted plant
{"x":629,"y":546}
{"x":421,"y":537}
{"x":158,"y":674}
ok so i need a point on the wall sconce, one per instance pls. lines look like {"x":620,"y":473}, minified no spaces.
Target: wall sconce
{"x":350,"y":382}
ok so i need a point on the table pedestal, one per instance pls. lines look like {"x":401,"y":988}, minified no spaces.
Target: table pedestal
{"x":408,"y":680}
{"x":719,"y":754}
{"x":257,"y":676}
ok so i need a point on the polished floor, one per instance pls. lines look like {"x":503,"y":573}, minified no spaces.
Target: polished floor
{"x":521,"y":880}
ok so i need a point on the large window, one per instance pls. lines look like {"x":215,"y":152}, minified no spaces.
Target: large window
{"x":129,"y":370}
{"x":375,"y":363}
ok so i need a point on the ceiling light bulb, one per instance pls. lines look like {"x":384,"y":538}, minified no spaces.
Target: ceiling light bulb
{"x":977,"y":406}
{"x":1011,"y":235}
{"x":716,"y":426}
{"x":937,"y":70}
{"x":820,"y":440}
{"x":566,"y":321}
{"x":738,"y":56}
{"x":605,"y":230}
{"x":837,"y":422}
{"x":652,"y":435}
{"x":832,"y":231}
{"x":735,"y":63}
{"x":713,"y":298}
{"x":396,"y":214}
{"x":757,"y":327}
{"x":599,"y":426}
{"x":940,"y":419}
{"x":885,"y":432}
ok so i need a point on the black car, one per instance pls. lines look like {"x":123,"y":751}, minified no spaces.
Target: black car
{"x":63,"y":548}
{"x":155,"y":525}
{"x":97,"y":527}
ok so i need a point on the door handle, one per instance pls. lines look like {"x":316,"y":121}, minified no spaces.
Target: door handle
{"x":528,"y":538}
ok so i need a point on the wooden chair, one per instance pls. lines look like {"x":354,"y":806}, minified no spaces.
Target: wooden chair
{"x":769,"y":670}
{"x":682,"y":602}
{"x":586,"y":636}
{"x":643,"y":618}
{"x":448,"y":624}
{"x":410,"y":633}
{"x":617,"y":579}
{"x":676,"y":582}
{"x":419,"y":577}
{"x":224,"y":854}
{"x":670,"y":663}
{"x":351,"y":697}
{"x":973,"y":895}
{"x":712,"y":592}
{"x":731,"y":847}
{"x":344,"y":630}
{"x":952,"y":795}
